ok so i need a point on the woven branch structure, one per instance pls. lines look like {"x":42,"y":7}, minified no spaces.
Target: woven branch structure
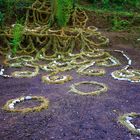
{"x":63,"y":48}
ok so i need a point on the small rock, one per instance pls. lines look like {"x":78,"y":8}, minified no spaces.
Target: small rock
{"x":13,"y":25}
{"x":129,"y":118}
{"x":28,"y":97}
{"x":16,"y":101}
{"x":130,"y":62}
{"x":8,"y":76}
{"x":59,"y":56}
{"x":1,"y":73}
{"x":130,"y":124}
{"x":11,"y":106}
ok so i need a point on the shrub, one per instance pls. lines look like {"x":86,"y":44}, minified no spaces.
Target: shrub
{"x":17,"y":33}
{"x":118,"y":4}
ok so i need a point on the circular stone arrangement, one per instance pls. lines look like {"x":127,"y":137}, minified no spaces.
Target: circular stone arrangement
{"x":56,"y":79}
{"x":85,"y":70}
{"x":126,"y":121}
{"x":127,"y":74}
{"x":108,"y":62}
{"x":10,"y":105}
{"x":103,"y":88}
{"x":26,"y":74}
{"x":93,"y":72}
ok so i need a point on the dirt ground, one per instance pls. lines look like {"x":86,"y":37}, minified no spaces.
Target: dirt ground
{"x":71,"y":116}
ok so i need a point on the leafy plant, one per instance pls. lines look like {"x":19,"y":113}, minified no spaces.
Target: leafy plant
{"x":128,"y":5}
{"x":105,"y":3}
{"x":6,"y":7}
{"x":119,"y":24}
{"x":17,"y":33}
{"x":61,"y":11}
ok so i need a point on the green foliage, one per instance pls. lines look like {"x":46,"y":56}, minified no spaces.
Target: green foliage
{"x":6,"y":7}
{"x":17,"y":33}
{"x":20,"y":4}
{"x":63,"y":11}
{"x":131,"y":5}
{"x":119,"y":24}
{"x":1,"y":18}
{"x":105,"y":3}
{"x":14,"y":8}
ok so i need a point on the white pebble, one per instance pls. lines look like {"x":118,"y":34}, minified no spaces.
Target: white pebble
{"x":129,"y":62}
{"x":129,"y":118}
{"x":28,"y":97}
{"x":59,"y":56}
{"x":7,"y":76}
{"x":11,"y":106}
{"x":130,"y":124}
{"x":127,"y":66}
{"x":13,"y":25}
{"x":16,"y":101}
{"x":1,"y":73}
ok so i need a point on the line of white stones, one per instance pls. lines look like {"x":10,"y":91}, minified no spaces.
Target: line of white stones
{"x":12,"y":105}
{"x":2,"y":73}
{"x":128,"y":120}
{"x":129,"y":61}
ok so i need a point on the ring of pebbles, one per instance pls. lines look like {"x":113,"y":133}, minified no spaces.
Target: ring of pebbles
{"x":129,"y":75}
{"x":132,"y":75}
{"x":10,"y":105}
{"x":56,"y":79}
{"x":85,"y":70}
{"x":126,"y":119}
{"x":108,"y":62}
{"x":26,"y":74}
{"x":103,"y":88}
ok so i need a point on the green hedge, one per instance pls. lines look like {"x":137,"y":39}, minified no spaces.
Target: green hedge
{"x":131,"y":5}
{"x":12,"y":9}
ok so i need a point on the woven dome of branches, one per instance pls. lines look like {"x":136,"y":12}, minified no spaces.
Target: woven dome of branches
{"x":63,"y":40}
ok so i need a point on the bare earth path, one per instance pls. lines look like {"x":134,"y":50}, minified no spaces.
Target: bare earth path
{"x":71,"y":116}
